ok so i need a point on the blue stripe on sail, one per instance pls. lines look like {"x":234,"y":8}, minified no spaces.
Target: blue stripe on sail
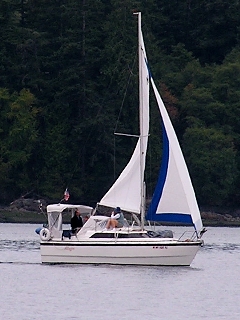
{"x":151,"y":214}
{"x":149,"y":71}
{"x":174,"y":217}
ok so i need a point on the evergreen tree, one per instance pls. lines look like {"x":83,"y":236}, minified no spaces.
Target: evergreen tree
{"x":19,"y":136}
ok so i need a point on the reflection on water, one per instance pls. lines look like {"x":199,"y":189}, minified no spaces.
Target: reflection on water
{"x":18,"y":245}
{"x":223,"y":246}
{"x":100,"y":292}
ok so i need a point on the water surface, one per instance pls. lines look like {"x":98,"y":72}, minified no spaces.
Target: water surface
{"x":208,"y":289}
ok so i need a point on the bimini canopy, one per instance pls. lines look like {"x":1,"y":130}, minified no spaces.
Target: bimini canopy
{"x":60,"y":207}
{"x":55,"y":213}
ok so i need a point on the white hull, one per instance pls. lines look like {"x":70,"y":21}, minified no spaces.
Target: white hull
{"x":153,"y":252}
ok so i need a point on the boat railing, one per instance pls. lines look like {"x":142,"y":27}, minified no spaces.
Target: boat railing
{"x":188,"y":236}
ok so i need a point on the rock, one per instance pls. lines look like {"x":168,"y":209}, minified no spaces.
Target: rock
{"x":31,"y":205}
{"x":217,"y":217}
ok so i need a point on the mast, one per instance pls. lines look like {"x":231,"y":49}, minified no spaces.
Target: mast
{"x":142,"y":155}
{"x":128,"y":190}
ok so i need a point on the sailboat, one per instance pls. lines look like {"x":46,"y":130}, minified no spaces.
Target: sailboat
{"x":134,"y":243}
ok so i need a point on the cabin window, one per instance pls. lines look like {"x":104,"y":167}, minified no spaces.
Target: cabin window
{"x":130,"y":235}
{"x":119,"y":235}
{"x":103,"y":235}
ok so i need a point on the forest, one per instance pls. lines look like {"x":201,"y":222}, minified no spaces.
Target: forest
{"x":69,"y":80}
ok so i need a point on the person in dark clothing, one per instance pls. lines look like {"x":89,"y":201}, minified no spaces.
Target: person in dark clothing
{"x":76,"y":221}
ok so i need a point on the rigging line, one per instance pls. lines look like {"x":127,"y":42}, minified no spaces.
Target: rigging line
{"x":86,"y":140}
{"x":114,"y":157}
{"x":125,"y":93}
{"x":98,"y":113}
{"x":102,"y":103}
{"x":148,"y":173}
{"x":91,"y":130}
{"x":115,"y":129}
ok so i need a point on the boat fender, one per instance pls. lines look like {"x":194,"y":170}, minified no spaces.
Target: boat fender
{"x":38,"y":230}
{"x":45,"y":234}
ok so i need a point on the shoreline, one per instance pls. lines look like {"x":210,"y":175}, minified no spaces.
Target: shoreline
{"x":35,"y":218}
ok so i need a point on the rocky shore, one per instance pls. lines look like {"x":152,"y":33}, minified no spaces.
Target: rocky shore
{"x":32,"y":211}
{"x":24,"y":211}
{"x":220,"y":219}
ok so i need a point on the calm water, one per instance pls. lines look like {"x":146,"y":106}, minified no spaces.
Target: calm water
{"x":209,"y":289}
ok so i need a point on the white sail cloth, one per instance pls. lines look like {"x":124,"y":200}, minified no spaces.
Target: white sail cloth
{"x":126,"y":191}
{"x":174,"y":196}
{"x":174,"y":199}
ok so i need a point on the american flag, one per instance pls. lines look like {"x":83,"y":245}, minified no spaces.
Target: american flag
{"x":66,"y":195}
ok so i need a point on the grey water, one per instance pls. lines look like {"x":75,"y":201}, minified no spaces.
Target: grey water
{"x":208,"y":289}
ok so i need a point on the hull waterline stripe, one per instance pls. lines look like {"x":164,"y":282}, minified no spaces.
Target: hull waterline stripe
{"x":67,"y":244}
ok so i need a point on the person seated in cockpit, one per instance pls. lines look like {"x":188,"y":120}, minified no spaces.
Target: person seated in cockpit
{"x":116,"y":220}
{"x":76,"y":221}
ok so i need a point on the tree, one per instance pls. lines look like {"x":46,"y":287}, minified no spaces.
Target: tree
{"x":211,"y":157}
{"x":18,"y":135}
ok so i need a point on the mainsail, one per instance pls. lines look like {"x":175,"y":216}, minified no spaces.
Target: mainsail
{"x":126,"y":191}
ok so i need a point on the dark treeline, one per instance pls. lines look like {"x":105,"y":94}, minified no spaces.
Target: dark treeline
{"x":68,"y":80}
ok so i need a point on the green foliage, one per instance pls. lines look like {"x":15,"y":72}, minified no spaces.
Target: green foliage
{"x":211,"y":156}
{"x":18,"y":140}
{"x":208,"y":29}
{"x":68,"y":81}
